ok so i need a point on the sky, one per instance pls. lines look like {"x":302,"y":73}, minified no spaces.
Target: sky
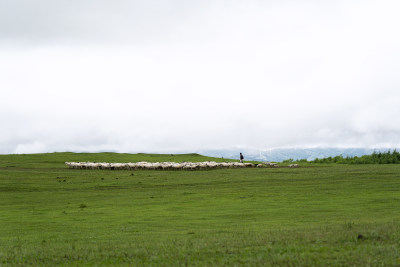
{"x":181,"y":76}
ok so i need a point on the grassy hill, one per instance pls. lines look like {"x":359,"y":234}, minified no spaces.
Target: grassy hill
{"x":318,"y":214}
{"x":57,"y":160}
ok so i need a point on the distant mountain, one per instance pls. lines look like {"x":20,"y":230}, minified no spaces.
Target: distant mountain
{"x":281,"y":154}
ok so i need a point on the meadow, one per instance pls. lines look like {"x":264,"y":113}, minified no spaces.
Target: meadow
{"x":314,"y":215}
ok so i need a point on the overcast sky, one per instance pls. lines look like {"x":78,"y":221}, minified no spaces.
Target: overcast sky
{"x":180,"y":76}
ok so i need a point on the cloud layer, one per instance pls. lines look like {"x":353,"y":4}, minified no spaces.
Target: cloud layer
{"x":171,"y":76}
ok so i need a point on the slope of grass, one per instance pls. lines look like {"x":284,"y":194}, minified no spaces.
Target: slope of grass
{"x":57,"y":160}
{"x":313,"y":215}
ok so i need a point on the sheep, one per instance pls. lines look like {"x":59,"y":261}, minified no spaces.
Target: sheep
{"x":224,"y":165}
{"x":117,"y":166}
{"x":241,"y":165}
{"x":177,"y":166}
{"x":143,"y":165}
{"x":91,"y":165}
{"x":211,"y":164}
{"x":105,"y":166}
{"x":165,"y":166}
{"x":271,"y":164}
{"x":131,"y":166}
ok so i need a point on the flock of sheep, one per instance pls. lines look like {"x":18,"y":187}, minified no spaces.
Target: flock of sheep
{"x":143,"y":165}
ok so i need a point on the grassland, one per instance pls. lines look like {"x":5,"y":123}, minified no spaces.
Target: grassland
{"x":318,"y":214}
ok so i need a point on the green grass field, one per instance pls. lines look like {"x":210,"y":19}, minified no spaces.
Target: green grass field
{"x":313,"y":215}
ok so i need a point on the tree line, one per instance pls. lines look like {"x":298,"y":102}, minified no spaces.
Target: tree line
{"x":389,"y":157}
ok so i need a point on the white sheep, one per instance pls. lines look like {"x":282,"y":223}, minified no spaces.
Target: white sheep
{"x":166,"y":165}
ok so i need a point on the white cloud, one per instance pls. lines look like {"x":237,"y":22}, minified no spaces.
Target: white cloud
{"x":133,"y":76}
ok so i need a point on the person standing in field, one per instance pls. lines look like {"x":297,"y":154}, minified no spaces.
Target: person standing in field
{"x":241,"y":157}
